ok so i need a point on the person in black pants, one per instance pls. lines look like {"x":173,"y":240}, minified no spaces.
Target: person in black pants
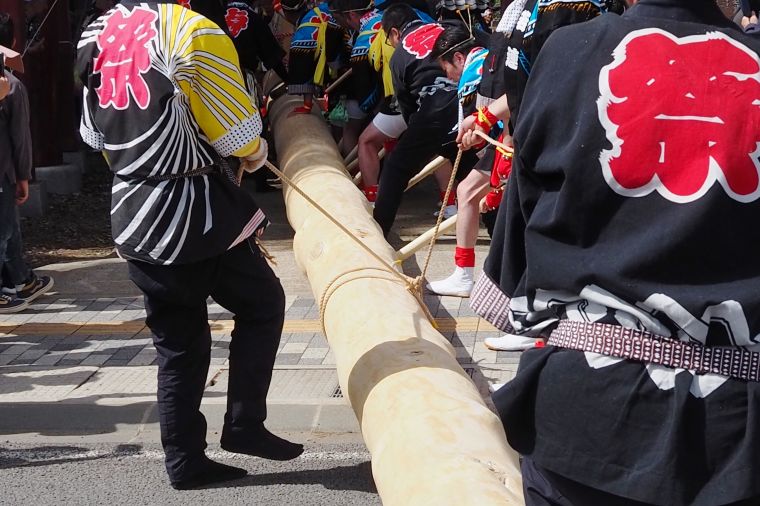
{"x":428,"y":101}
{"x":242,"y":282}
{"x":183,"y":223}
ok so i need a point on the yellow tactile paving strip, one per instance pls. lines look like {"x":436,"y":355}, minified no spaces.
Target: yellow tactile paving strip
{"x":465,"y":324}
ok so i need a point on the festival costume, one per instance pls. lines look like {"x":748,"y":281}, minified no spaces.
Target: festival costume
{"x":629,"y":231}
{"x":519,"y":36}
{"x":460,"y":282}
{"x":253,"y":39}
{"x":537,"y":21}
{"x":368,"y":73}
{"x":428,"y":102}
{"x":164,"y":99}
{"x":211,"y":9}
{"x":318,"y":44}
{"x":371,"y":78}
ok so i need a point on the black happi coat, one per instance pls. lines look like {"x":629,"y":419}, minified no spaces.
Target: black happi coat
{"x":537,"y":22}
{"x":253,"y":38}
{"x":634,"y":201}
{"x":165,"y":100}
{"x":415,"y":74}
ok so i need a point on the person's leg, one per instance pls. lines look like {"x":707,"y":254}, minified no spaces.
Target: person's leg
{"x":6,"y":231}
{"x":469,"y":193}
{"x":370,"y":143}
{"x":442,"y":178}
{"x":353,"y":128}
{"x":177,"y":315}
{"x":27,"y":284}
{"x":246,"y":286}
{"x":383,"y":129}
{"x":417,"y":146}
{"x":9,"y":303}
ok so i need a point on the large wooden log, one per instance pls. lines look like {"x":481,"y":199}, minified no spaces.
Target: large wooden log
{"x":431,"y":436}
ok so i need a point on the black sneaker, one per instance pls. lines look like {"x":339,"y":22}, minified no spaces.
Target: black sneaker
{"x":36,"y":287}
{"x":9,"y":304}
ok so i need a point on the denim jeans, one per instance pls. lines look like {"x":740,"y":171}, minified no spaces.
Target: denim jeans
{"x":13,"y":269}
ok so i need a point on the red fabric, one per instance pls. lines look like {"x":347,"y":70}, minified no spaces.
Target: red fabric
{"x":452,"y":198}
{"x":493,"y":199}
{"x":304,"y":109}
{"x":370,"y":192}
{"x":490,"y":116}
{"x":420,"y":41}
{"x":390,"y":146}
{"x":237,"y":21}
{"x":495,"y":180}
{"x":664,"y":108}
{"x":502,"y":167}
{"x":464,"y":257}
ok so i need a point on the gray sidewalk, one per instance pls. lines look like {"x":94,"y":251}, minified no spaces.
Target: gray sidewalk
{"x":80,"y":360}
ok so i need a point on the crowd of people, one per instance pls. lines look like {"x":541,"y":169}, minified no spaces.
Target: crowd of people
{"x":610,"y":147}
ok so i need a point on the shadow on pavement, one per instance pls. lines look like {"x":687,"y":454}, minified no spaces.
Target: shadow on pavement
{"x":56,"y":455}
{"x":82,"y":418}
{"x":356,"y":478}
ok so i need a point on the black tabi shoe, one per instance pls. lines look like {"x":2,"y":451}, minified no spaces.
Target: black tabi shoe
{"x":207,"y":473}
{"x":260,"y":442}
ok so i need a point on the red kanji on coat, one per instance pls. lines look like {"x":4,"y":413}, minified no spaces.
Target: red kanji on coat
{"x":420,"y":41}
{"x":124,"y":57}
{"x":185,"y":4}
{"x":682,"y":114}
{"x":237,"y":20}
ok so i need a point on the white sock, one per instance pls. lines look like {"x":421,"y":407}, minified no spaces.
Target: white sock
{"x":459,"y":284}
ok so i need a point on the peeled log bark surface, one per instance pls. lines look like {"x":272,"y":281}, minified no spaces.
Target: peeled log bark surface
{"x":431,"y":436}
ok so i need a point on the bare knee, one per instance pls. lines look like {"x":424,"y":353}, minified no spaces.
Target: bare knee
{"x":473,"y":188}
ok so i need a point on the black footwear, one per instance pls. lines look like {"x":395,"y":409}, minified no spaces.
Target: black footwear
{"x":260,"y":443}
{"x":36,"y":287}
{"x":209,"y":472}
{"x":10,"y":304}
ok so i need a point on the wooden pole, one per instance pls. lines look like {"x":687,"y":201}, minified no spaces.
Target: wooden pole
{"x":432,"y":438}
{"x":345,"y":75}
{"x":428,"y":169}
{"x":352,"y":157}
{"x":424,"y":239}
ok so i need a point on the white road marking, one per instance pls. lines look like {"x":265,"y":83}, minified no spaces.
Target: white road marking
{"x":60,"y":454}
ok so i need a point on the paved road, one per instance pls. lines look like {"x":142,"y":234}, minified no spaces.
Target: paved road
{"x":329,"y":473}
